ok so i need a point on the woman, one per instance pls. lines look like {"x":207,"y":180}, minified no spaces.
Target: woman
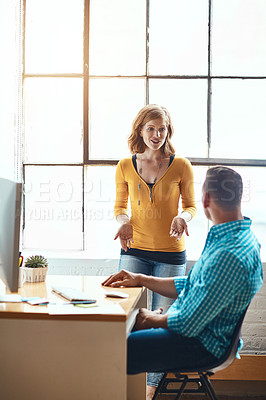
{"x":155,"y":179}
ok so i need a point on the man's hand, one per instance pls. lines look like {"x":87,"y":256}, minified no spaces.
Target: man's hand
{"x":163,"y":286}
{"x":125,"y":234}
{"x":150,"y":319}
{"x":178,"y":227}
{"x":123,"y":278}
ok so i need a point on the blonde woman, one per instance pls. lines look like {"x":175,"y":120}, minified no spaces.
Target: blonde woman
{"x":154,"y":179}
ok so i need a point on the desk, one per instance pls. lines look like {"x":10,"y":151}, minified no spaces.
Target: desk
{"x":54,"y":357}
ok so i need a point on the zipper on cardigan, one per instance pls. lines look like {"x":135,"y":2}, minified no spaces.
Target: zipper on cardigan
{"x":139,"y":186}
{"x":150,"y":195}
{"x":151,"y":198}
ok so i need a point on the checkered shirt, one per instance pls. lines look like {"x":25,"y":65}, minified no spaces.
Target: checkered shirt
{"x":219,"y":286}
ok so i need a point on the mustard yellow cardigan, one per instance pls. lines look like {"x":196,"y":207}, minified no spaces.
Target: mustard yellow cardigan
{"x":152,"y":210}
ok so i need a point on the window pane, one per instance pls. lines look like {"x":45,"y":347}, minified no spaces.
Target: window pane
{"x":178,"y":37}
{"x":117,"y":37}
{"x":54,"y":36}
{"x":238,"y":38}
{"x":9,"y":92}
{"x":253,"y":206}
{"x":53,"y":120}
{"x":114,"y":103}
{"x":238,"y":118}
{"x":53,"y":208}
{"x":186,"y":101}
{"x":100,"y":223}
{"x":198,"y":226}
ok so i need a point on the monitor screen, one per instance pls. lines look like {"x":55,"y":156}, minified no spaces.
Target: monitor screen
{"x":10,"y":212}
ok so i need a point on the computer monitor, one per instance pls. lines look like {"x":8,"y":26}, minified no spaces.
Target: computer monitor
{"x":10,"y":213}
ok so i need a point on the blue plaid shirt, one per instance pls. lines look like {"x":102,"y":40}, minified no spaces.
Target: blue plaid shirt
{"x":219,"y":286}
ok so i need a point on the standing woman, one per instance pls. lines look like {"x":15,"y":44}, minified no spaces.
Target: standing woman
{"x":154,"y":178}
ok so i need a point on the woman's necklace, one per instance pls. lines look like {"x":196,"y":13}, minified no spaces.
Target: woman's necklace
{"x":151,"y":183}
{"x":159,"y":167}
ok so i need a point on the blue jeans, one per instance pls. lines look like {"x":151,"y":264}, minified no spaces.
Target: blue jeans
{"x":154,"y":268}
{"x":155,"y":350}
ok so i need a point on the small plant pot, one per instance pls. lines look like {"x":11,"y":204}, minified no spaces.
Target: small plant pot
{"x":35,"y":274}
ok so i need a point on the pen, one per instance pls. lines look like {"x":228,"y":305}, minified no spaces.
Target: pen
{"x":83,"y":302}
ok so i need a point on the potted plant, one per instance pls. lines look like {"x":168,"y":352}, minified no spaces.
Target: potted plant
{"x":35,"y":268}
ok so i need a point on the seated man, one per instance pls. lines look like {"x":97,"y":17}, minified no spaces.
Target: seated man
{"x":209,"y":301}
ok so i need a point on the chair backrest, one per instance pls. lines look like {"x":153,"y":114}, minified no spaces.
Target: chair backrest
{"x":231,"y":352}
{"x":226,"y":359}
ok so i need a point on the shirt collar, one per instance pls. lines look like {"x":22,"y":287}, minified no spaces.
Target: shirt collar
{"x":230,"y":227}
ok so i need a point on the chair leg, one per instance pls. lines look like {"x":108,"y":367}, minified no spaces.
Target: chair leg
{"x":162,"y":387}
{"x":208,"y":386}
{"x":182,"y":388}
{"x":203,"y":380}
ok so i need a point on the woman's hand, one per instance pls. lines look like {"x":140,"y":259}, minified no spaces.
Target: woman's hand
{"x":125,"y":234}
{"x":178,"y":227}
{"x":146,"y":319}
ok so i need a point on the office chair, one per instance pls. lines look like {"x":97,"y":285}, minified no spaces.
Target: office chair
{"x":200,"y":384}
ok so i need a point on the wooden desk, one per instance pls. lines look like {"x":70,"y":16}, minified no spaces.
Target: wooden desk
{"x":65,"y":357}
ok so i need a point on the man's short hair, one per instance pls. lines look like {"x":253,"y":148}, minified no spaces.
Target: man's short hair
{"x":225,"y":186}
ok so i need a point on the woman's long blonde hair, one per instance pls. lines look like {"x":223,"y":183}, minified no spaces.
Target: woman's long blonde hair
{"x":146,"y":114}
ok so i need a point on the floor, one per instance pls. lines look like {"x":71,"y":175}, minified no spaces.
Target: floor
{"x":237,"y":390}
{"x":199,"y":397}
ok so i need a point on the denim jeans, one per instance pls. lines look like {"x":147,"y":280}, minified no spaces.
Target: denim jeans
{"x":155,"y":350}
{"x":154,"y":268}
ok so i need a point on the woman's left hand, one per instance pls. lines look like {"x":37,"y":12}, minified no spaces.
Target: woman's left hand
{"x":178,"y":227}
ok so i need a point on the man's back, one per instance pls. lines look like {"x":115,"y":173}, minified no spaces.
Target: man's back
{"x":219,"y":287}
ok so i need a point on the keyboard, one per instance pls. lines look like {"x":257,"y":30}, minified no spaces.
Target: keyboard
{"x":72,"y":294}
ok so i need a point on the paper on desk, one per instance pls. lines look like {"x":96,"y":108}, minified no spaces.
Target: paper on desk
{"x":70,"y":309}
{"x":10,"y":298}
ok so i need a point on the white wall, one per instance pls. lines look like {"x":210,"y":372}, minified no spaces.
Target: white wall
{"x":254,"y":327}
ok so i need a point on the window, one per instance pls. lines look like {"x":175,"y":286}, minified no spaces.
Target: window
{"x":90,"y":65}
